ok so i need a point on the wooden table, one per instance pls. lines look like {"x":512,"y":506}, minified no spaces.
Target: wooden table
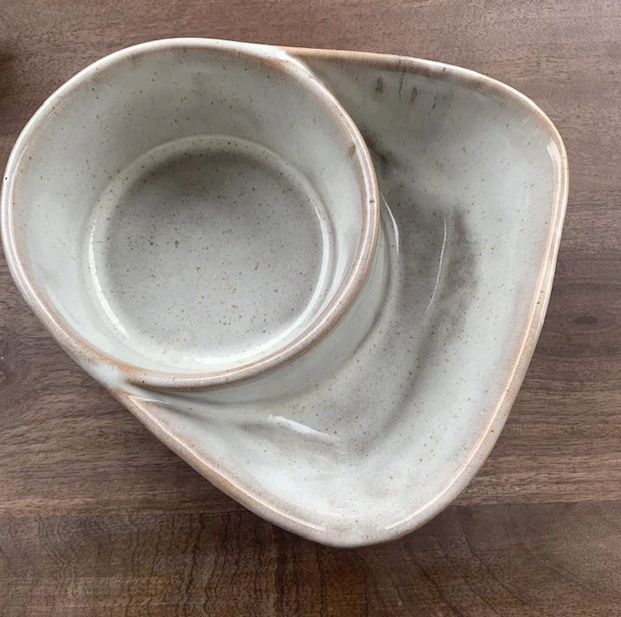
{"x":99,"y":518}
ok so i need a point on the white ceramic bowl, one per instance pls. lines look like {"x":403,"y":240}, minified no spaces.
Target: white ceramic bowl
{"x":190,"y":213}
{"x":431,"y":330}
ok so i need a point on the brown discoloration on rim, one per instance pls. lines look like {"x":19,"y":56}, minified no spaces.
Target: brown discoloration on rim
{"x":384,"y":158}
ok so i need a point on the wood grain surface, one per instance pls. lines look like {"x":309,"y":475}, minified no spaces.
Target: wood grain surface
{"x":99,"y":518}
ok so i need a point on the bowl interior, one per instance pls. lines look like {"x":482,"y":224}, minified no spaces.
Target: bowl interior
{"x":188,"y":208}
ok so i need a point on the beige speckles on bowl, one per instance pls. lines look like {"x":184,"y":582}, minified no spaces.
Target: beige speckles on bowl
{"x":227,"y":174}
{"x":208,"y":249}
{"x":472,"y":185}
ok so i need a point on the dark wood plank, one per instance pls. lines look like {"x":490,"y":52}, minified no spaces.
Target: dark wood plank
{"x":97,"y":517}
{"x":523,"y":560}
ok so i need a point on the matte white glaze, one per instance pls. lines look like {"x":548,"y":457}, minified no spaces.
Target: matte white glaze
{"x":473,"y":180}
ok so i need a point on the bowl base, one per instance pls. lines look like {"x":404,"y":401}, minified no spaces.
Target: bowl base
{"x":208,"y":251}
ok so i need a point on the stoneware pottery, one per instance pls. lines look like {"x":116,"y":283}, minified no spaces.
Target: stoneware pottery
{"x":317,"y":276}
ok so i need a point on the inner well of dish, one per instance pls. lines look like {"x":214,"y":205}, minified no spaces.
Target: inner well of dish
{"x":209,"y":250}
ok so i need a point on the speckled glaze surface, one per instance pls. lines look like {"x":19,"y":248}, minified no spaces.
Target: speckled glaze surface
{"x":212,"y":208}
{"x":189,"y":249}
{"x":473,"y":187}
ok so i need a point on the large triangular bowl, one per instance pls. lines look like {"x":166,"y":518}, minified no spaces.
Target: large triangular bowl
{"x":473,"y":179}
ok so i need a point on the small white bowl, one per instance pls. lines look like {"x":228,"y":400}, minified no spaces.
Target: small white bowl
{"x":188,"y":214}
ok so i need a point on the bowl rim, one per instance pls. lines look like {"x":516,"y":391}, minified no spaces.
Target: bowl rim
{"x":318,"y":328}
